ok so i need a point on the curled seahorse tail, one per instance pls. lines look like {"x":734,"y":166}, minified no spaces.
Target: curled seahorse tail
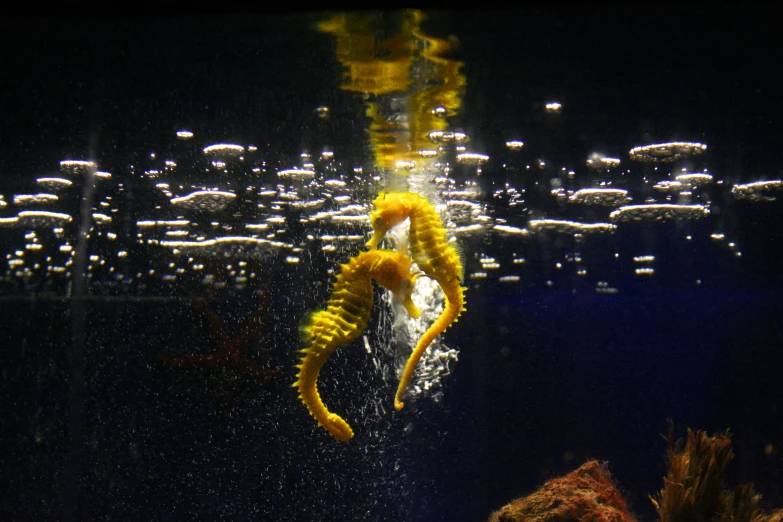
{"x":434,"y":255}
{"x":455,"y":301}
{"x":308,"y":393}
{"x":344,"y":319}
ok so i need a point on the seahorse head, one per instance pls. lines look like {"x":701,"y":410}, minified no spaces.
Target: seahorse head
{"x":392,"y":271}
{"x":390,"y":209}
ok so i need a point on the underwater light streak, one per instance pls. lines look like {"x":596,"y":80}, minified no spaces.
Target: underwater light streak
{"x":775,"y":183}
{"x":163,"y":223}
{"x":223,"y":240}
{"x":229,"y":148}
{"x":758,"y":190}
{"x":256,"y":226}
{"x":472,"y":158}
{"x":35,"y":218}
{"x":597,"y":161}
{"x":26,"y":199}
{"x":200,"y":194}
{"x":559,"y":225}
{"x":441,"y":136}
{"x":350,"y":237}
{"x":356,"y":219}
{"x":658,"y":212}
{"x":296,"y":173}
{"x":511,"y":230}
{"x":467,"y":229}
{"x":666,"y":151}
{"x":668,"y":186}
{"x":54,"y":183}
{"x":696,"y":179}
{"x":76,"y":166}
{"x":600,"y":196}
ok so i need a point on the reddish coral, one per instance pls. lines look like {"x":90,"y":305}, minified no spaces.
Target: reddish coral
{"x":584,"y":495}
{"x":229,"y":352}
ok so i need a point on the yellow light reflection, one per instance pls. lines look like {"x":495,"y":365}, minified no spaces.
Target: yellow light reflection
{"x":406,"y":70}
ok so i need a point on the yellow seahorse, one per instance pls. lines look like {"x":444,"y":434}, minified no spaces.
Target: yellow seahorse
{"x":434,"y":256}
{"x":344,"y":319}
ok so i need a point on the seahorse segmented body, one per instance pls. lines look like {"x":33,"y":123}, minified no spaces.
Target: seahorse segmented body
{"x":434,"y":256}
{"x":344,"y":319}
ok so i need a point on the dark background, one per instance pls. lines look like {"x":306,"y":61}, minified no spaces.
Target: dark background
{"x":625,"y":76}
{"x":582,"y":377}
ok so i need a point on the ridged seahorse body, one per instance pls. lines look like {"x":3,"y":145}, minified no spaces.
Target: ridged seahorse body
{"x":344,"y":319}
{"x":434,"y":256}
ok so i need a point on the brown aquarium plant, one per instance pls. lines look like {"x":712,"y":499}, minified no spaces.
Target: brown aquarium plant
{"x":693,"y":489}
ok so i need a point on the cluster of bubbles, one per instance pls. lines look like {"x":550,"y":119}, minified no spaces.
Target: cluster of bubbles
{"x":219,"y":215}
